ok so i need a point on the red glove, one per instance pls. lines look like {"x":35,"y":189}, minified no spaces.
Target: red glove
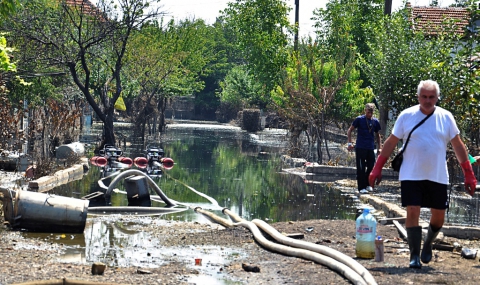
{"x":376,"y":174}
{"x":470,"y":180}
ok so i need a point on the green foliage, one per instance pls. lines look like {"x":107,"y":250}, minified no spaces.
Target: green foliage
{"x":459,"y":78}
{"x":225,"y":56}
{"x":335,"y":85}
{"x":8,"y":7}
{"x":260,"y":29}
{"x":416,"y":58}
{"x":240,"y":88}
{"x":169,"y":60}
{"x":5,"y":52}
{"x":38,"y":90}
{"x":341,"y":26}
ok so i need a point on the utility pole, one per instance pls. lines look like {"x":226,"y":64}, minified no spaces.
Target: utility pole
{"x":388,"y":7}
{"x":384,"y":110}
{"x":297,"y":12}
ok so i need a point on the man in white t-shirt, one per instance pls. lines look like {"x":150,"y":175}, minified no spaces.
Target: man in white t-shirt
{"x":423,"y":174}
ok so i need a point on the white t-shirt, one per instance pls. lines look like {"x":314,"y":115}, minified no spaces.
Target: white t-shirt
{"x":425,"y":155}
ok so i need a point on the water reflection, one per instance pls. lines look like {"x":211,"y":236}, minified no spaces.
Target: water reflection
{"x":119,"y":242}
{"x":242,"y":172}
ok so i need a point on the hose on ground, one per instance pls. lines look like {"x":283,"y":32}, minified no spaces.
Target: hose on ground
{"x":331,"y":263}
{"x":325,"y":250}
{"x":334,"y":254}
{"x":214,"y":218}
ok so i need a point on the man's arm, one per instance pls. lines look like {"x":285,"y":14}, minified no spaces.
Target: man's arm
{"x":379,"y":142}
{"x":349,"y":137}
{"x":462,"y":157}
{"x":375,"y":176}
{"x":459,"y":149}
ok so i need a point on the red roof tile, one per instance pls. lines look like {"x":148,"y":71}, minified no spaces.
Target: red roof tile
{"x":85,"y":5}
{"x":431,"y":20}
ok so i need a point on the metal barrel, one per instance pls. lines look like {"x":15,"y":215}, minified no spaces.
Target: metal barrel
{"x":70,"y":150}
{"x":49,"y":213}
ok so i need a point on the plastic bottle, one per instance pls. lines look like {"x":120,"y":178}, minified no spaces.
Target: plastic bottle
{"x":366,"y":228}
{"x":379,"y":249}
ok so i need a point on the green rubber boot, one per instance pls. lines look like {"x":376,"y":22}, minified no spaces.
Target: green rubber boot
{"x":426,"y":255}
{"x":414,"y":243}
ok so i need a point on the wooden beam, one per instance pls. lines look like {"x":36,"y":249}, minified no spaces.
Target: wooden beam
{"x":389,"y":221}
{"x":440,"y":246}
{"x":401,"y":229}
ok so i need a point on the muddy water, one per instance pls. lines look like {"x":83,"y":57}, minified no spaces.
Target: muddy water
{"x":234,"y":169}
{"x":237,"y":170}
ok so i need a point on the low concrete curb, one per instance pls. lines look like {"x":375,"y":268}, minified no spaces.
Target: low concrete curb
{"x":72,"y":173}
{"x":344,"y":170}
{"x":391,"y":210}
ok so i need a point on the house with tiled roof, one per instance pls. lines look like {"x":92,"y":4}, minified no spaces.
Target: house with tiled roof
{"x":85,"y":7}
{"x":434,"y":20}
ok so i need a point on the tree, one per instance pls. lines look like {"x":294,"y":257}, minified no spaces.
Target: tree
{"x":416,"y":58}
{"x":320,"y":90}
{"x":239,"y":88}
{"x":8,"y":118}
{"x":86,"y":41}
{"x":225,"y":56}
{"x":343,"y":23}
{"x":261,"y":29}
{"x":458,"y":74}
{"x":166,"y":62}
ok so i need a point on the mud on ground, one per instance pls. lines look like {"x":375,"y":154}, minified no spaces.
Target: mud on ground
{"x":23,"y":260}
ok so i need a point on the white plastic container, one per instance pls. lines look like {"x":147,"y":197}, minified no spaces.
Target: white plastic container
{"x":366,"y":229}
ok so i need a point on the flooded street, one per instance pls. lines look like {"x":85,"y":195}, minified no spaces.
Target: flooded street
{"x":231,"y":168}
{"x":216,"y":167}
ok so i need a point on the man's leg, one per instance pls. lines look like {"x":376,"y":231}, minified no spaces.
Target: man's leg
{"x":370,"y":164}
{"x":414,"y":232}
{"x":361,"y":159}
{"x":436,"y":223}
{"x":413,"y":216}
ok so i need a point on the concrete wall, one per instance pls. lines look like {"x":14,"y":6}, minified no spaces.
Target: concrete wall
{"x":180,"y":108}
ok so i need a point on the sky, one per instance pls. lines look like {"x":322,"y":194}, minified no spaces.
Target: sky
{"x":209,"y":10}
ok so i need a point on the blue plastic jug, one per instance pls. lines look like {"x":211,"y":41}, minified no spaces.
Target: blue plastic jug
{"x":366,"y":229}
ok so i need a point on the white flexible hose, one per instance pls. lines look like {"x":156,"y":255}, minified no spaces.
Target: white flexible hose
{"x":214,"y":218}
{"x":345,"y":259}
{"x":331,"y":263}
{"x":331,"y":253}
{"x":152,"y":183}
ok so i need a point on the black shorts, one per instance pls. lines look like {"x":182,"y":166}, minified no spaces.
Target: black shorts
{"x":424,"y":193}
